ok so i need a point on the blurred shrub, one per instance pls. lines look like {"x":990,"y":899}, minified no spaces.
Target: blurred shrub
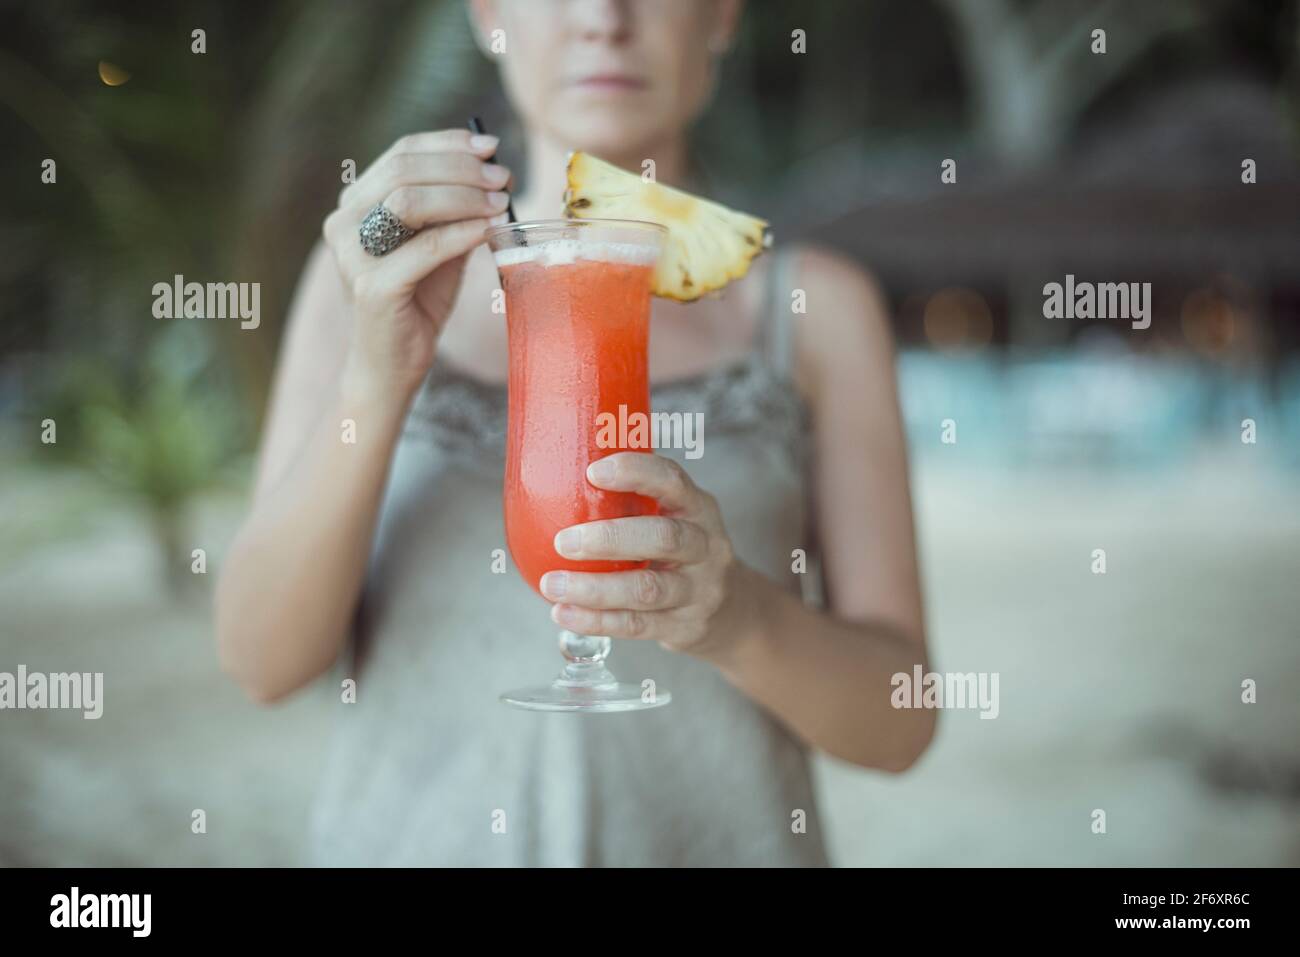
{"x":158,"y":435}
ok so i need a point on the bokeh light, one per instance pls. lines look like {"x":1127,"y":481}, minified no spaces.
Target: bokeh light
{"x":958,"y":319}
{"x":1209,"y":321}
{"x":112,"y":74}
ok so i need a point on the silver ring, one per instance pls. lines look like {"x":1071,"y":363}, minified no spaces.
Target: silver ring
{"x":382,"y":232}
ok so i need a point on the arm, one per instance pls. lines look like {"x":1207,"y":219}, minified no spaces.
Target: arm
{"x":291,"y":580}
{"x":361,"y":337}
{"x":827,"y":676}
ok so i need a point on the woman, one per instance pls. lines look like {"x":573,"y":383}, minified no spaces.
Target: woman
{"x":384,"y":544}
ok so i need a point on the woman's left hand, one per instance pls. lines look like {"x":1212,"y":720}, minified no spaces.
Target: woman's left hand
{"x":687,"y":599}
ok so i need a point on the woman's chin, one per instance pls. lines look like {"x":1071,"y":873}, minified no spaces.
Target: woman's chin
{"x":608,"y":135}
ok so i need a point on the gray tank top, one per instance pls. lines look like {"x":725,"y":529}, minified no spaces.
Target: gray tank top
{"x":428,"y":768}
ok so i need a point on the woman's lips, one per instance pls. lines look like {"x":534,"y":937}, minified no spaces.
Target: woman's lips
{"x":614,"y":82}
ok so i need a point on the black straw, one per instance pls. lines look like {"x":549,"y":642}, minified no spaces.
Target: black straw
{"x":476,"y":126}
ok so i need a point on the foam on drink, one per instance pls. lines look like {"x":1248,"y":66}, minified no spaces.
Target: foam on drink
{"x":565,"y":252}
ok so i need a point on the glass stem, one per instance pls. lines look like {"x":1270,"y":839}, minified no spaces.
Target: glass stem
{"x":584,"y":660}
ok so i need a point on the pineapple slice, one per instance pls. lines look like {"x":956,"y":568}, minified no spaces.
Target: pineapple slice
{"x":707,"y":246}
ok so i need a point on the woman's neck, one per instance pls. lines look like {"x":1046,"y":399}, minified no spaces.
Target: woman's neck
{"x":547,"y":160}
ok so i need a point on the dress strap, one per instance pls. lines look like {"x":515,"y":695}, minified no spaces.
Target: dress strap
{"x":777,"y":349}
{"x":776,"y":333}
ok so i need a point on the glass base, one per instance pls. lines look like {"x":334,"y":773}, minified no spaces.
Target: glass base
{"x":587,"y":687}
{"x":620,"y":697}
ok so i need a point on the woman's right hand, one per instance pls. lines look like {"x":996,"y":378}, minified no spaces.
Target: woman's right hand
{"x":440,"y":184}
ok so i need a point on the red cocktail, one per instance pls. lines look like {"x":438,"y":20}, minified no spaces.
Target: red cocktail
{"x":578,"y":313}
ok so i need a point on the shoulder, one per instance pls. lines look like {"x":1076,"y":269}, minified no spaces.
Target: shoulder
{"x":835,"y":284}
{"x":844,"y":320}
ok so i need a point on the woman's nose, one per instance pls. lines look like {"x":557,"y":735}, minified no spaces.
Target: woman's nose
{"x":608,"y":20}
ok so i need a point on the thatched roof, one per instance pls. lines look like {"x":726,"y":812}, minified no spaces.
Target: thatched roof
{"x":1159,"y":193}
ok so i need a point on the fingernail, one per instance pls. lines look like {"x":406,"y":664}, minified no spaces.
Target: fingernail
{"x":498,"y":199}
{"x":495,"y":175}
{"x":500,"y":219}
{"x":483,"y":141}
{"x":601,"y":470}
{"x":568,"y":541}
{"x":555,"y":584}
